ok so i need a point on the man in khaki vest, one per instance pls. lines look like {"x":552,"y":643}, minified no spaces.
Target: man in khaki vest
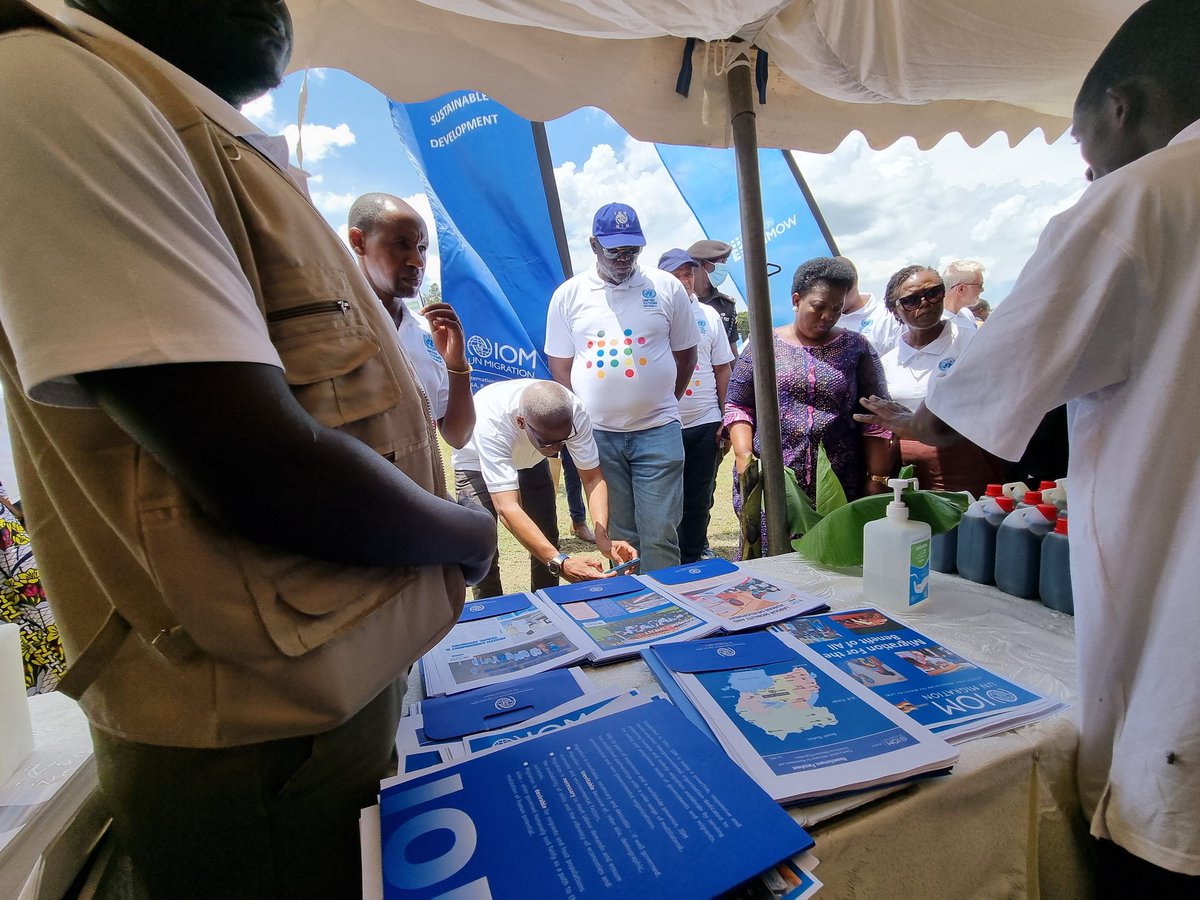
{"x":228,"y":466}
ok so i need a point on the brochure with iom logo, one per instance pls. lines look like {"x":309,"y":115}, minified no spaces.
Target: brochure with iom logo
{"x":948,"y":694}
{"x":447,"y":718}
{"x":497,"y":640}
{"x":614,"y":618}
{"x":632,"y":804}
{"x":800,"y":727}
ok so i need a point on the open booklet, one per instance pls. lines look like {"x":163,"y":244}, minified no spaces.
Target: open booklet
{"x":614,"y":618}
{"x":628,"y":803}
{"x":732,"y":597}
{"x":496,"y":640}
{"x":794,"y":722}
{"x":948,"y":694}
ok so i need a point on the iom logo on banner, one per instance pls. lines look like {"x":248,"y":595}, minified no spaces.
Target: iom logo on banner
{"x":502,"y":360}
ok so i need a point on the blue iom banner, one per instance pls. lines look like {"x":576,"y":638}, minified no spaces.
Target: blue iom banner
{"x":500,"y":261}
{"x":707,"y":179}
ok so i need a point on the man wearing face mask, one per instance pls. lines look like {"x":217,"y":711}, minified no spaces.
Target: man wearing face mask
{"x":623,"y":338}
{"x":195,"y":389}
{"x":713,"y":257}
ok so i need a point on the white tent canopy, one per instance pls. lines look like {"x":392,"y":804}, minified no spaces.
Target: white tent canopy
{"x":887,"y":68}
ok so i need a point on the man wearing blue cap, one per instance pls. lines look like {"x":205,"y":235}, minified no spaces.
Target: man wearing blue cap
{"x":700,"y":411}
{"x":624,"y":340}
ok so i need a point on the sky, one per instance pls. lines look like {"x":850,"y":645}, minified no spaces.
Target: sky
{"x":886,"y":209}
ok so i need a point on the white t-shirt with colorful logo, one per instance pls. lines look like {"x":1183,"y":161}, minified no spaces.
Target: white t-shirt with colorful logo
{"x":621,"y":338}
{"x":698,"y":405}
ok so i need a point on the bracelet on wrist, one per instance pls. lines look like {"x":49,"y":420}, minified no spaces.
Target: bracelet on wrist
{"x":466,"y":371}
{"x":880,"y":479}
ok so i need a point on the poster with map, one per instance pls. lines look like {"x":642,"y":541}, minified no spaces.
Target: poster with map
{"x":795,"y":723}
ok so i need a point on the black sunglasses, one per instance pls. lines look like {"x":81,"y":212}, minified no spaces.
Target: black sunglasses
{"x":542,"y":444}
{"x":621,"y":252}
{"x":929,"y":295}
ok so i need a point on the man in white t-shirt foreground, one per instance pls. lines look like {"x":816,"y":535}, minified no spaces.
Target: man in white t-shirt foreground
{"x":520,"y":425}
{"x":700,"y":410}
{"x":623,"y":338}
{"x":1108,"y":307}
{"x":964,"y":284}
{"x":390,"y":240}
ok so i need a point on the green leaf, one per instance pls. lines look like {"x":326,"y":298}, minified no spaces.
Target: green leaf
{"x":837,"y":540}
{"x":801,"y":516}
{"x":907,"y":471}
{"x":750,"y":483}
{"x":830,"y":495}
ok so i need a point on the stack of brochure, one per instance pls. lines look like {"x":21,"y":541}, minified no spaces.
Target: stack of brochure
{"x":497,"y":640}
{"x":951,"y":696}
{"x":798,"y":725}
{"x":434,"y":729}
{"x":731,"y":597}
{"x":614,"y":618}
{"x":626,"y":803}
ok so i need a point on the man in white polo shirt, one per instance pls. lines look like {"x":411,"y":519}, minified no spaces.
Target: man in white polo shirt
{"x":700,"y":411}
{"x":866,"y":314}
{"x":624,"y":340}
{"x":520,"y":425}
{"x":1106,"y":313}
{"x":964,"y":283}
{"x":390,"y":240}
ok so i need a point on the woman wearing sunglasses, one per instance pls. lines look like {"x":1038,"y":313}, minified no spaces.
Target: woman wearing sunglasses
{"x":928,"y":346}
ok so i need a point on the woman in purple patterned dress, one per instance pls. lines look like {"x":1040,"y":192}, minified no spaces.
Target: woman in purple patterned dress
{"x":821,"y":371}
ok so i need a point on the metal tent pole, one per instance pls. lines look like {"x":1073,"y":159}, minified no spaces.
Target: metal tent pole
{"x":742,"y":120}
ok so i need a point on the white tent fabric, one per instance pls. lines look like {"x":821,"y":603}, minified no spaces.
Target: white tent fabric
{"x":887,"y":68}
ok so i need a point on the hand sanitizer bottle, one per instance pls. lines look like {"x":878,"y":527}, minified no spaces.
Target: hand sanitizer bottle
{"x":896,"y":556}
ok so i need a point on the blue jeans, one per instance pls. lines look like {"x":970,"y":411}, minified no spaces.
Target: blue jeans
{"x":644,"y":474}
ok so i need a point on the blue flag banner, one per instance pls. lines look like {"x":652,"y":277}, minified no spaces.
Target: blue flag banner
{"x":707,"y":179}
{"x":500,"y":261}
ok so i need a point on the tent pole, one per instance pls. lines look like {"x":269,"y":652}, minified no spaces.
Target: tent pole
{"x":546,"y":166}
{"x":758,"y":299}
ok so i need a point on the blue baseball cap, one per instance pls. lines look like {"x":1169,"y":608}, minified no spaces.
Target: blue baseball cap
{"x":617,"y":225}
{"x":675,"y":258}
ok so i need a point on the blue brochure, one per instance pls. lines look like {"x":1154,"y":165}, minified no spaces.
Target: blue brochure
{"x":920,"y":677}
{"x":673,"y":691}
{"x":493,"y":606}
{"x":628,"y":805}
{"x":735,"y":651}
{"x":705,"y":568}
{"x":593,"y":590}
{"x":456,"y":716}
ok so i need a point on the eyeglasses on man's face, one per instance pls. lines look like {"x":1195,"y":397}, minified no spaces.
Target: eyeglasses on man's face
{"x":929,"y":295}
{"x":615,"y":253}
{"x":540,"y":441}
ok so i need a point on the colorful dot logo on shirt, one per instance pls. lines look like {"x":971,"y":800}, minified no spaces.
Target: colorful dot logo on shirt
{"x":608,"y":353}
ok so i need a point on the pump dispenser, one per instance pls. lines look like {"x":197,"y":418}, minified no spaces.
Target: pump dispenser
{"x":896,"y":555}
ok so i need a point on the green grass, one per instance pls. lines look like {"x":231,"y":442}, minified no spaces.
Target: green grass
{"x":514,"y":559}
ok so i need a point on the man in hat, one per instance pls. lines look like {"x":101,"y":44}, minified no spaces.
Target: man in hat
{"x":624,"y":340}
{"x":700,"y":411}
{"x":1123,"y":263}
{"x":713,"y":259}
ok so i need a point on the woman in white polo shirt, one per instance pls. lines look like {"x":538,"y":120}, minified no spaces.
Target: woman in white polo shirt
{"x":928,"y":347}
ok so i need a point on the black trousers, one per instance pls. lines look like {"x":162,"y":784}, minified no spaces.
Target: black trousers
{"x":701,"y":456}
{"x":272,"y":820}
{"x":538,"y":500}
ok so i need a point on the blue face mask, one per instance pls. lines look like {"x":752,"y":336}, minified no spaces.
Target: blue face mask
{"x":718,"y":275}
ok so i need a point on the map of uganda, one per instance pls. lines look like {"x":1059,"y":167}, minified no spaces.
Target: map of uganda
{"x":780,"y":704}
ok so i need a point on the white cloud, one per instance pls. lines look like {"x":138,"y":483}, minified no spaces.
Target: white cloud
{"x":319,"y":140}
{"x":892,"y":207}
{"x":261,"y":112}
{"x":634,"y":176}
{"x":333,"y":205}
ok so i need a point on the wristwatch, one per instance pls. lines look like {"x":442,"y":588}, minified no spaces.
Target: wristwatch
{"x":881,"y":479}
{"x":555,"y":565}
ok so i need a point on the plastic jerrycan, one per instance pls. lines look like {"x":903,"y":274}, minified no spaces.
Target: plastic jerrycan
{"x":1019,"y":549}
{"x":1054,"y":578}
{"x":943,"y":548}
{"x":976,"y":556}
